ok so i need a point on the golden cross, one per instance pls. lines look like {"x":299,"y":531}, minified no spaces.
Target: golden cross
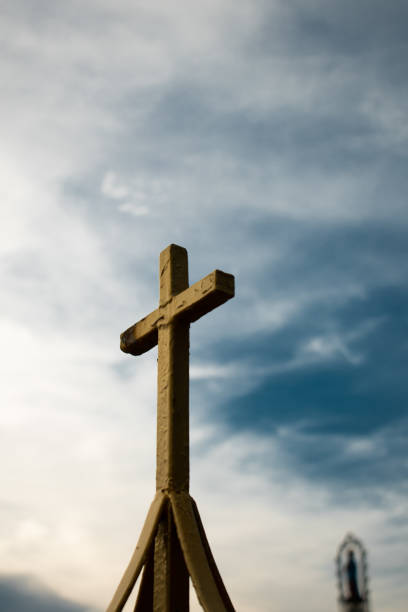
{"x":173,"y":544}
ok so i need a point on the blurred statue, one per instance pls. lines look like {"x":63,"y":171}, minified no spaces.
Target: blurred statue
{"x":351,"y":563}
{"x":352,"y":581}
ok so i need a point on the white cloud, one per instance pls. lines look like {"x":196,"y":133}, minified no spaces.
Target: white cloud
{"x":205,"y":371}
{"x":112,"y":187}
{"x":134,"y":210}
{"x":362,"y":447}
{"x":330,"y":347}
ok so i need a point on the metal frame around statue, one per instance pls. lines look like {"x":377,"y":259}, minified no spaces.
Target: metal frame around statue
{"x":353,"y":548}
{"x":173,"y":546}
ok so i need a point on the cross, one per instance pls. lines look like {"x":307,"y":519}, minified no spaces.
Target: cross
{"x":168,"y":326}
{"x":173,"y":544}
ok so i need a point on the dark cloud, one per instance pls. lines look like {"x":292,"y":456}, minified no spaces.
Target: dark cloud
{"x":344,"y":28}
{"x":346,"y":419}
{"x":22,"y":593}
{"x":345,"y":409}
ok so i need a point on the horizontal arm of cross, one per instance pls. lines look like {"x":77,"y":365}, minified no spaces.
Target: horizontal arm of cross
{"x":142,"y":336}
{"x":191,"y":304}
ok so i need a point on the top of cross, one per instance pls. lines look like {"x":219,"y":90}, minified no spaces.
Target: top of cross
{"x":177,"y":300}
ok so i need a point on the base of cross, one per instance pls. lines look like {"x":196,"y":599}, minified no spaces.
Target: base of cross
{"x":173,"y":538}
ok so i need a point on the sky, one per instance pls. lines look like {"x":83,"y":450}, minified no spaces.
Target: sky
{"x":270,"y":140}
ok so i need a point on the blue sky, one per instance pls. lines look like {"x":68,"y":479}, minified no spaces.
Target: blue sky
{"x":270,"y":140}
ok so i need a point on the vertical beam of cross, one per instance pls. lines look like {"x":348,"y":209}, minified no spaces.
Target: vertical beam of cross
{"x":171,"y":579}
{"x":172,"y":471}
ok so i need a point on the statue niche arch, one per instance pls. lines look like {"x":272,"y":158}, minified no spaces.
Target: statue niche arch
{"x":352,"y":575}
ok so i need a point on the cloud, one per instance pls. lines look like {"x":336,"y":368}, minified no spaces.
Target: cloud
{"x":112,"y":188}
{"x":132,"y":209}
{"x":27,"y":593}
{"x":270,"y":140}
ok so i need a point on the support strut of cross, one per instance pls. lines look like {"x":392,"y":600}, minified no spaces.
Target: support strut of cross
{"x":173,"y":544}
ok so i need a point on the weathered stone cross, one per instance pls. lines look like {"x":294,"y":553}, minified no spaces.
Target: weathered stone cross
{"x":173,"y":544}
